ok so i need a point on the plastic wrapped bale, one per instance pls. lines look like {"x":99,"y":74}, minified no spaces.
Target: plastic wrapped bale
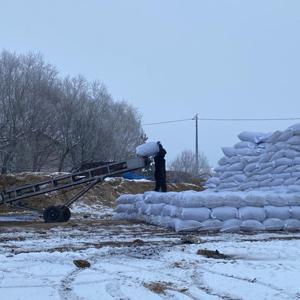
{"x":255,"y":198}
{"x":128,"y":216}
{"x":231,"y":225}
{"x":145,"y":209}
{"x":186,"y":225}
{"x":295,"y":212}
{"x":291,"y":225}
{"x":126,"y":208}
{"x":169,"y":211}
{"x":273,"y":224}
{"x":156,"y":209}
{"x":292,"y":199}
{"x":157,"y":197}
{"x":253,"y":137}
{"x":152,"y":197}
{"x":168,"y":222}
{"x":147,"y":149}
{"x":196,"y":214}
{"x":252,"y":225}
{"x":211,"y":225}
{"x":275,"y":199}
{"x":251,"y":212}
{"x":276,"y":212}
{"x":224,"y":213}
{"x":129,"y":199}
{"x":295,"y":129}
{"x":199,"y":199}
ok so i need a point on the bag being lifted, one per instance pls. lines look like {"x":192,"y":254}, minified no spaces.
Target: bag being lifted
{"x":147,"y":149}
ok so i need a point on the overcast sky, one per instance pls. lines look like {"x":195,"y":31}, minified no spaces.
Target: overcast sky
{"x":173,"y":59}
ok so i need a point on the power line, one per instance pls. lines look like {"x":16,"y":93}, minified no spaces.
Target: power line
{"x":248,"y":119}
{"x":172,"y":121}
{"x":225,"y":120}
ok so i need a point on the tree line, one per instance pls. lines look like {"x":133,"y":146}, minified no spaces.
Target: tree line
{"x":54,"y":123}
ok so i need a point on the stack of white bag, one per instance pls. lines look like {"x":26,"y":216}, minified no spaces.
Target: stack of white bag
{"x":260,"y":161}
{"x":256,"y":187}
{"x":213,"y":211}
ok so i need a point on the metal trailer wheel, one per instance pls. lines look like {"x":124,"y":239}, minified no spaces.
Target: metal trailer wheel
{"x":65,"y":214}
{"x":52,"y":214}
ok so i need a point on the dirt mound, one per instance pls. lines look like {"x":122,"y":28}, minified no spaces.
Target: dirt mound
{"x":103,"y":193}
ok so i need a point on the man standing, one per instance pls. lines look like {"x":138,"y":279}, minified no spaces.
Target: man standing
{"x":160,"y":169}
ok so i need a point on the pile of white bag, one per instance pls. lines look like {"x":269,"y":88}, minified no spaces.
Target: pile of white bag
{"x":213,"y":211}
{"x":260,"y":161}
{"x":256,"y":187}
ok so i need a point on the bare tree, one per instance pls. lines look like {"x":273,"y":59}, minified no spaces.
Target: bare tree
{"x":184,"y":167}
{"x":47,"y":121}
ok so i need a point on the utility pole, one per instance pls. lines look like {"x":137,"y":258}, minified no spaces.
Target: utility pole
{"x":196,"y":150}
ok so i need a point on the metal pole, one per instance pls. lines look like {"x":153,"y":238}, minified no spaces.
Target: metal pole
{"x":197,"y":151}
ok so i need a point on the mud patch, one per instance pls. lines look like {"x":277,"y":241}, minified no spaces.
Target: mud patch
{"x":213,"y":254}
{"x":81,"y":263}
{"x":158,"y":287}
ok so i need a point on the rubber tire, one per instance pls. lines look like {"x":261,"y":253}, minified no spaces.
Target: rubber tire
{"x":65,"y":214}
{"x":52,"y":214}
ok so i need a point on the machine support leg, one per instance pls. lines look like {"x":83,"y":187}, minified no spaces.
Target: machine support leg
{"x":82,"y":192}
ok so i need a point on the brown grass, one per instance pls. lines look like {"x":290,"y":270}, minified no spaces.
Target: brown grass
{"x":104,"y":193}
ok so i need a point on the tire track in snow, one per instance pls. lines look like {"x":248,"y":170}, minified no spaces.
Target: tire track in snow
{"x":199,"y":282}
{"x":252,"y":282}
{"x":113,"y":288}
{"x":65,"y":288}
{"x":171,"y":277}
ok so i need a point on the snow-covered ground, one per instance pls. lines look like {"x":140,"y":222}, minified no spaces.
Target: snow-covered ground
{"x":139,"y":261}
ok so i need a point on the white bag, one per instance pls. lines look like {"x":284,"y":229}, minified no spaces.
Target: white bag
{"x":294,"y":188}
{"x":252,"y":225}
{"x":277,"y":182}
{"x":227,"y":185}
{"x":295,"y":128}
{"x":211,"y":225}
{"x":169,"y":210}
{"x":266,"y":157}
{"x":236,"y":167}
{"x":250,"y":185}
{"x":295,"y":212}
{"x":285,"y":135}
{"x":251,"y":212}
{"x":294,"y":140}
{"x":254,"y":137}
{"x":251,"y":167}
{"x":266,"y":170}
{"x":197,"y":214}
{"x":147,"y":149}
{"x":224,"y":213}
{"x":292,"y":154}
{"x":223,"y":161}
{"x":278,"y":154}
{"x":129,"y":199}
{"x":244,"y":144}
{"x":232,"y":225}
{"x":283,"y":162}
{"x":273,"y":224}
{"x":229,"y":151}
{"x":272,"y":137}
{"x":282,"y":212}
{"x":290,"y":181}
{"x":125,"y":208}
{"x":291,"y":225}
{"x":156,"y":209}
{"x":186,"y":225}
{"x":296,"y":161}
{"x":254,"y":198}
